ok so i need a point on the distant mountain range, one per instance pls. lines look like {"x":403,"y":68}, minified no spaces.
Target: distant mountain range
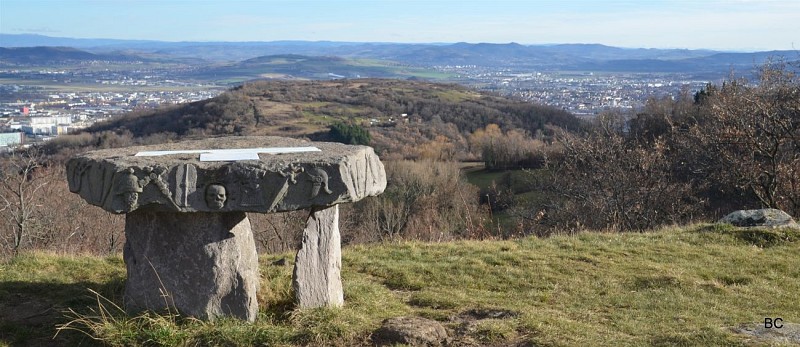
{"x":56,"y":55}
{"x":564,"y":57}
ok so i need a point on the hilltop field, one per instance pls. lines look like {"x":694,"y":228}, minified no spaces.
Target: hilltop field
{"x":692,"y":286}
{"x":509,"y":223}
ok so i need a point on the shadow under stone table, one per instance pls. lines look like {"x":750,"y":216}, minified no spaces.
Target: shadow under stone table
{"x":189,"y":245}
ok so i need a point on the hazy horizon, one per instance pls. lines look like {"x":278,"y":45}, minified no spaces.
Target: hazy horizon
{"x":734,"y":25}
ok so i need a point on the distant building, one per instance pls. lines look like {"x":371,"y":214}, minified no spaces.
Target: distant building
{"x":11,"y":139}
{"x":45,"y":125}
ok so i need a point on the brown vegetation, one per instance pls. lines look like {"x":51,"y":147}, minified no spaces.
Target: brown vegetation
{"x":507,"y":150}
{"x":730,"y":147}
{"x":424,"y":200}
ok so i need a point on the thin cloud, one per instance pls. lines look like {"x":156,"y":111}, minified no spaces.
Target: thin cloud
{"x":39,"y":30}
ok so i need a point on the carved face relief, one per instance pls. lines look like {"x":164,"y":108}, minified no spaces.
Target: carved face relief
{"x":131,"y":200}
{"x":215,"y":196}
{"x":128,"y":188}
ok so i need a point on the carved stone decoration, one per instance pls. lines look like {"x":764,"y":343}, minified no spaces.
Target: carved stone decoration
{"x":128,"y":188}
{"x":319,"y":179}
{"x":250,"y":180}
{"x":97,"y":192}
{"x":279,"y":194}
{"x":291,"y":172}
{"x":93,"y":181}
{"x":336,"y":174}
{"x":185,"y":184}
{"x":215,"y":196}
{"x":154,"y":176}
{"x":75,"y":179}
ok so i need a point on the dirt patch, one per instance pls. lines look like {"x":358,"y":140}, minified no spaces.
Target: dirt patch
{"x":484,"y":327}
{"x":19,"y":309}
{"x":29,"y":321}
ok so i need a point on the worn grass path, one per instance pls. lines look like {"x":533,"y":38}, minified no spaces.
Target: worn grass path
{"x":683,"y":286}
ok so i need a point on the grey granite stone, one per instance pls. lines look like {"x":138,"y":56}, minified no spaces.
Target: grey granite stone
{"x":202,"y":264}
{"x":768,"y":217}
{"x":411,"y":331}
{"x":317,"y":278}
{"x":120,"y":182}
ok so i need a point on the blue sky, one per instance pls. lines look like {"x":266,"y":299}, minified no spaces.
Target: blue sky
{"x":715,"y":24}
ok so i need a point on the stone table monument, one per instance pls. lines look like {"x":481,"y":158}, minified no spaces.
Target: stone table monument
{"x":188,"y":240}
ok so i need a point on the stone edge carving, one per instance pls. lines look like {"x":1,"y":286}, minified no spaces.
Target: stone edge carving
{"x":251,"y":187}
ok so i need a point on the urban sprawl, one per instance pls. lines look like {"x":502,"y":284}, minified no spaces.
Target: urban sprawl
{"x":41,"y":112}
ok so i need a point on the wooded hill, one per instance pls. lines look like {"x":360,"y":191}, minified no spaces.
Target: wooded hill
{"x":13,"y":56}
{"x":397,"y":113}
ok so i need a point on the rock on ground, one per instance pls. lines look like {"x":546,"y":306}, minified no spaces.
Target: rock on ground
{"x":768,"y":217}
{"x":202,"y":264}
{"x":789,"y":333}
{"x":412,"y":331}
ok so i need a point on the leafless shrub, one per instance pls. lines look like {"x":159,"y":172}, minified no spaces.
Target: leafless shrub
{"x":278,"y":232}
{"x":425,"y":200}
{"x":748,"y":140}
{"x":23,"y":177}
{"x":606,"y":182}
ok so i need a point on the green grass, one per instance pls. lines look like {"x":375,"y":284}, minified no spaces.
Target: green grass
{"x":680,"y":286}
{"x":456,"y":95}
{"x":515,"y":182}
{"x":482,"y":178}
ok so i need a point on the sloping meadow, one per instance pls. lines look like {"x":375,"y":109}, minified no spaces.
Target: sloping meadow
{"x":677,"y":286}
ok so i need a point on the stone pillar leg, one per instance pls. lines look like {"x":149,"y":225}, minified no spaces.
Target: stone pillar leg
{"x":317,"y":277}
{"x":203,"y":265}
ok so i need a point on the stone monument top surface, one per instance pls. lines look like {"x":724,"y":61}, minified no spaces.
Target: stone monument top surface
{"x":225,"y":174}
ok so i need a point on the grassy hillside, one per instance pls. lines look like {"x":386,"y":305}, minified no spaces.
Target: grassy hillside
{"x":306,"y":108}
{"x":685,"y":286}
{"x":293,"y":66}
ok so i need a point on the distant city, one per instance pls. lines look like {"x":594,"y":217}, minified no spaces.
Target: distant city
{"x":67,"y":102}
{"x":585,"y":94}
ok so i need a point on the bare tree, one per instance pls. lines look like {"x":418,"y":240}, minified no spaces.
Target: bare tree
{"x":22,"y":179}
{"x":606,"y":182}
{"x":751,"y":137}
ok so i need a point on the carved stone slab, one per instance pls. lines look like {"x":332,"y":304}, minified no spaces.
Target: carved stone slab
{"x":120,"y":182}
